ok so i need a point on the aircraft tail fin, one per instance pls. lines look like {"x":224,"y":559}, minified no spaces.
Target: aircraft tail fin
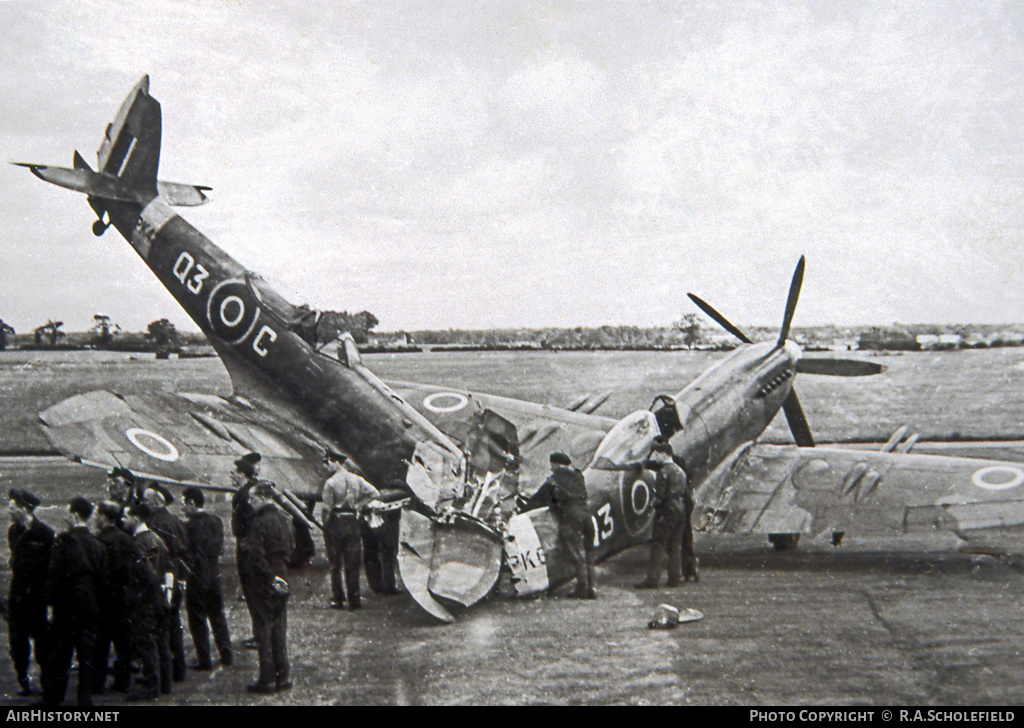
{"x":130,"y":150}
{"x":129,"y":158}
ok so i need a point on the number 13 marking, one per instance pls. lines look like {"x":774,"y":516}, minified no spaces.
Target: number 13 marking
{"x":606,"y":527}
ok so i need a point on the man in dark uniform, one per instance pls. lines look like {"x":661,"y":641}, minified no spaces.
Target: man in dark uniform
{"x":121,"y":487}
{"x":114,"y":625}
{"x":690,"y":563}
{"x":565,"y":493}
{"x":345,"y":495}
{"x":148,"y":599}
{"x":264,"y":561}
{"x":30,"y":542}
{"x":380,"y":543}
{"x":172,"y":532}
{"x":204,"y":600}
{"x":76,"y":579}
{"x":243,"y":477}
{"x":670,"y":489}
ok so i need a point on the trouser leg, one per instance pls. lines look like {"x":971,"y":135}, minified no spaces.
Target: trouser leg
{"x":195,"y":610}
{"x":20,"y":648}
{"x":163,"y":645}
{"x":353,"y":555}
{"x":673,"y":555}
{"x":145,"y":647}
{"x":279,"y":645}
{"x":219,"y":624}
{"x":655,"y":564}
{"x":261,"y":632}
{"x":100,"y":658}
{"x":85,"y":647}
{"x":177,"y":637}
{"x":57,"y":666}
{"x":372,"y":559}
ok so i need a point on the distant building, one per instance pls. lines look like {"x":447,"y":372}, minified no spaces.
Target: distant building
{"x":888,"y":339}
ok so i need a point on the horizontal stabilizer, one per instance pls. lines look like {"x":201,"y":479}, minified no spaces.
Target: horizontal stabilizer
{"x":83,"y":180}
{"x":838,"y":367}
{"x":103,"y":186}
{"x":182,"y":195}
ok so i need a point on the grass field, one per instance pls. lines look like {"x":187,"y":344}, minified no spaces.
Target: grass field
{"x":887,"y":623}
{"x":971,"y":394}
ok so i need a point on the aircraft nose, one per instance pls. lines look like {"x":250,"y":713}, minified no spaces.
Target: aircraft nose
{"x":793,"y":350}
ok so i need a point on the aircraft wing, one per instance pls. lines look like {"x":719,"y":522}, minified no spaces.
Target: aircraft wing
{"x":188,"y":439}
{"x":494,"y":429}
{"x":786,"y":489}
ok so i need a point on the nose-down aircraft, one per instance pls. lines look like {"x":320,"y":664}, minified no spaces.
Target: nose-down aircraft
{"x":463,"y":456}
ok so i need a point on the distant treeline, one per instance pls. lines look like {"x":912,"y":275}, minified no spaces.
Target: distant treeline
{"x":690,"y":332}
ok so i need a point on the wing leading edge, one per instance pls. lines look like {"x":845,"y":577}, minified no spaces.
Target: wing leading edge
{"x":785,"y":489}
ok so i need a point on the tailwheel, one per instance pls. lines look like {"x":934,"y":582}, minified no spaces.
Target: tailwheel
{"x":783,"y":541}
{"x":99,"y":227}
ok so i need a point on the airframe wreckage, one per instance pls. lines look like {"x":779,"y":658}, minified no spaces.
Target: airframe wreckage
{"x":464,"y":455}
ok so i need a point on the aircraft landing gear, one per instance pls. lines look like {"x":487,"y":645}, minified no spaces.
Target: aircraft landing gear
{"x":99,"y":227}
{"x":783,"y":541}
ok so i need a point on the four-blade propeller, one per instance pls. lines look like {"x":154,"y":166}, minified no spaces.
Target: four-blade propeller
{"x":798,"y":424}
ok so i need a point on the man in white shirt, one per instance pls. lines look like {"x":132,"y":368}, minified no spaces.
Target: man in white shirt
{"x":345,"y":496}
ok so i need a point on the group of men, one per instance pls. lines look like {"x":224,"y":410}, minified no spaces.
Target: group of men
{"x":564,"y":493}
{"x":120,"y":572}
{"x":116,"y":576}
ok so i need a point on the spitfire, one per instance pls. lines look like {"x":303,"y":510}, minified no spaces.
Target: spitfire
{"x":463,"y":456}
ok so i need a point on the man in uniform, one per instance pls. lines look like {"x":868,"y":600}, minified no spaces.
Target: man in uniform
{"x":670,"y":489}
{"x":148,"y":599}
{"x":76,"y":579}
{"x":121,"y":487}
{"x":380,"y":543}
{"x":30,"y":542}
{"x":204,"y":600}
{"x":344,"y":496}
{"x":114,"y":623}
{"x":565,"y":494}
{"x":243,"y":477}
{"x":172,"y":532}
{"x":264,"y":565}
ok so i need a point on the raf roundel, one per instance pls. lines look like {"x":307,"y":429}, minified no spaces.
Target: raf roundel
{"x":232,"y":311}
{"x":152,"y":444}
{"x":998,"y":477}
{"x":442,"y":402}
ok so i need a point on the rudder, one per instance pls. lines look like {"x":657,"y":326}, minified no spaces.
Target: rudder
{"x":130,"y":149}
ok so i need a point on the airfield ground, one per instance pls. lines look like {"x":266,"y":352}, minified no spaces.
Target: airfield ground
{"x":897,"y":622}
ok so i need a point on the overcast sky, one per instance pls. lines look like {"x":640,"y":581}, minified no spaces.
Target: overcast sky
{"x":477,"y":165}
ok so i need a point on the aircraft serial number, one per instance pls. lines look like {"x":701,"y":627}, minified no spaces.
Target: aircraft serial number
{"x":183,"y":267}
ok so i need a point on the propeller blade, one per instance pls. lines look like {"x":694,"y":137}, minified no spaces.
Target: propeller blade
{"x":837,"y":367}
{"x":797,"y":420}
{"x":794,"y":294}
{"x":719,"y":319}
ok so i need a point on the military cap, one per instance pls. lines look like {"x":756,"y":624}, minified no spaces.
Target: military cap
{"x":263,"y":489}
{"x":245,"y":467}
{"x":560,"y":458}
{"x":110,"y":509}
{"x":662,"y":447}
{"x":251,"y":457}
{"x":164,"y":493}
{"x":81,"y":506}
{"x":193,"y":495}
{"x":124,"y":473}
{"x":24,"y":498}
